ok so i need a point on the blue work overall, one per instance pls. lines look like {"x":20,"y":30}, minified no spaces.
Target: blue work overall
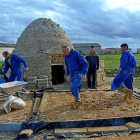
{"x":128,"y":63}
{"x":16,"y":67}
{"x":76,"y":66}
{"x":125,"y":75}
{"x":76,"y":80}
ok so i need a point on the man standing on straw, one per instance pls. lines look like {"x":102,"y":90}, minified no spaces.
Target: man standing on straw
{"x":77,"y":68}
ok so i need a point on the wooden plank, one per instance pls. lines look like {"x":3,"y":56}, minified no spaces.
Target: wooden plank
{"x":36,"y":105}
{"x":107,"y":129}
{"x":92,"y":129}
{"x":71,"y":130}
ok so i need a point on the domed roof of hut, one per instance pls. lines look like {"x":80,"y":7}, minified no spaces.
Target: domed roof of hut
{"x":41,"y":36}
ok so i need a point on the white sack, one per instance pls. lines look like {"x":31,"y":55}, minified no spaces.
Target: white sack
{"x":6,"y":105}
{"x":18,"y":103}
{"x":13,"y":102}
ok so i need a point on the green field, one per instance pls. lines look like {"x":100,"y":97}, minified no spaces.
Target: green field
{"x":112,"y":62}
{"x":1,"y":63}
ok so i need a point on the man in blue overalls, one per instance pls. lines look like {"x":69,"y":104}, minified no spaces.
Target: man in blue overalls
{"x":126,"y":72}
{"x":14,"y":62}
{"x":76,"y":69}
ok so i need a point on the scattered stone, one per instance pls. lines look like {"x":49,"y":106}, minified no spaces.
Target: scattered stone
{"x":28,"y":132}
{"x":132,"y":126}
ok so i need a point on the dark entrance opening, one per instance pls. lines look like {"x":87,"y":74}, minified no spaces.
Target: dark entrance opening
{"x":57,"y":74}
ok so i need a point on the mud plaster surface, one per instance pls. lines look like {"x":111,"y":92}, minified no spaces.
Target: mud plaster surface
{"x":95,"y":105}
{"x":99,"y":105}
{"x":56,"y":106}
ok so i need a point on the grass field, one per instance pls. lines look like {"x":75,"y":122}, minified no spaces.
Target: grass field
{"x":136,"y":83}
{"x":110,"y":60}
{"x":113,"y":60}
{"x":1,"y":63}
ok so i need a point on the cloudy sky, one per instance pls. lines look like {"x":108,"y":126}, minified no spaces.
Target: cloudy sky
{"x":108,"y":22}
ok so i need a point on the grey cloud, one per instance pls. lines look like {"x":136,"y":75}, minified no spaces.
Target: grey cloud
{"x":92,"y":18}
{"x":83,"y":21}
{"x":16,"y":15}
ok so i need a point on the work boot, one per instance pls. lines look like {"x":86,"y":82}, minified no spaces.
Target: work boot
{"x":127,"y":97}
{"x":77,"y":105}
{"x":94,"y":87}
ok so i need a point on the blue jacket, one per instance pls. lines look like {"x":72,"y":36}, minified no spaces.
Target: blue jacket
{"x":15,"y":63}
{"x":93,"y":59}
{"x":128,"y":59}
{"x":75,"y":62}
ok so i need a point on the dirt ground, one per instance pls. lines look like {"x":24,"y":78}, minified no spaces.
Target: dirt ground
{"x":56,"y":106}
{"x":16,"y":115}
{"x":25,"y":114}
{"x":95,"y":105}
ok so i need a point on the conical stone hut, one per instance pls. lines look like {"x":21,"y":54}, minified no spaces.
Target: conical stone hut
{"x":40,"y":44}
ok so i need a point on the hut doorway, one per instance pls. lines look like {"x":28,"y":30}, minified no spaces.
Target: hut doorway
{"x":57,"y":74}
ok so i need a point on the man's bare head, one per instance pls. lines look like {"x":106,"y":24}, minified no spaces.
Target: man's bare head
{"x":6,"y":54}
{"x":92,"y":49}
{"x":65,"y":50}
{"x":124,"y":47}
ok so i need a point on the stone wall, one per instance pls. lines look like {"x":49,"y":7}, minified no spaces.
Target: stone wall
{"x":40,"y":45}
{"x":39,"y":74}
{"x":100,"y":76}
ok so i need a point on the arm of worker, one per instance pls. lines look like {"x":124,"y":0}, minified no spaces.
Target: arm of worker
{"x":5,"y":69}
{"x":84,"y":77}
{"x":1,"y":76}
{"x":119,"y":70}
{"x":124,"y":59}
{"x":27,"y":68}
{"x":22,"y":60}
{"x":84,"y":65}
{"x":67,"y":71}
{"x":68,"y":78}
